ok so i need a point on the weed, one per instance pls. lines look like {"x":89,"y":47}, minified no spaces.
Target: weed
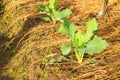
{"x":12,"y":71}
{"x":44,"y":61}
{"x":57,"y":69}
{"x":43,"y":73}
{"x":22,"y":69}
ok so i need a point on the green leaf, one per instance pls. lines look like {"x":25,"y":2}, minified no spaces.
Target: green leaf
{"x":42,"y":7}
{"x":88,"y":36}
{"x":53,"y":4}
{"x":64,"y":28}
{"x":72,"y":30}
{"x":96,"y":45}
{"x":12,"y":71}
{"x":59,"y":59}
{"x":79,"y":39}
{"x":92,"y":26}
{"x":92,"y":61}
{"x":62,"y":14}
{"x":51,"y":61}
{"x":22,"y":69}
{"x":46,"y":18}
{"x":65,"y":49}
{"x":43,"y":73}
{"x":65,"y":12}
{"x":67,"y":28}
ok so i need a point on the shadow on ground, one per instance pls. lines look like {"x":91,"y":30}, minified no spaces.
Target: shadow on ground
{"x":6,"y":52}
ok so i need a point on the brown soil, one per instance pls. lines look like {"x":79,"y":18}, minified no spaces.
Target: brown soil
{"x":27,"y":42}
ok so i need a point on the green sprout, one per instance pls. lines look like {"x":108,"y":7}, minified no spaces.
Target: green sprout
{"x":22,"y":69}
{"x":12,"y":71}
{"x":82,"y":43}
{"x":51,"y":13}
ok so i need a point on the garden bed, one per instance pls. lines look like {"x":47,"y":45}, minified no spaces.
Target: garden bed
{"x":27,"y":42}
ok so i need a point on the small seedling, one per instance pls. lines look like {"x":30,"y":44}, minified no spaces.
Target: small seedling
{"x":43,"y":73}
{"x":44,"y":61}
{"x":12,"y":71}
{"x":81,"y":43}
{"x":59,"y":59}
{"x":92,"y":61}
{"x":51,"y":13}
{"x":57,"y":69}
{"x":22,"y":69}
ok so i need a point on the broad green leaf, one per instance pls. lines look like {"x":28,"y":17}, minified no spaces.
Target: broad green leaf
{"x":53,"y":4}
{"x":67,"y":28}
{"x":79,"y":38}
{"x":64,"y":28}
{"x":88,"y":36}
{"x":62,"y":14}
{"x":96,"y":45}
{"x":65,"y":49}
{"x":59,"y":59}
{"x":72,"y":30}
{"x":65,"y":12}
{"x":57,"y":15}
{"x":66,"y":22}
{"x":92,"y":26}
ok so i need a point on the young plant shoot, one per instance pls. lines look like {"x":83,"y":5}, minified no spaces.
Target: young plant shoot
{"x":51,"y":13}
{"x":81,"y":43}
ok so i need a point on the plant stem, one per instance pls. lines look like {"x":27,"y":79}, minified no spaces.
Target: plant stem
{"x":79,"y":56}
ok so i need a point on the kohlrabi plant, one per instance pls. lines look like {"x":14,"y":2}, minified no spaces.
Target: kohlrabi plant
{"x":51,"y":13}
{"x":81,"y":42}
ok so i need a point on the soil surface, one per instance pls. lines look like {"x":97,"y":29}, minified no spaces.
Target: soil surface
{"x":27,"y":42}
